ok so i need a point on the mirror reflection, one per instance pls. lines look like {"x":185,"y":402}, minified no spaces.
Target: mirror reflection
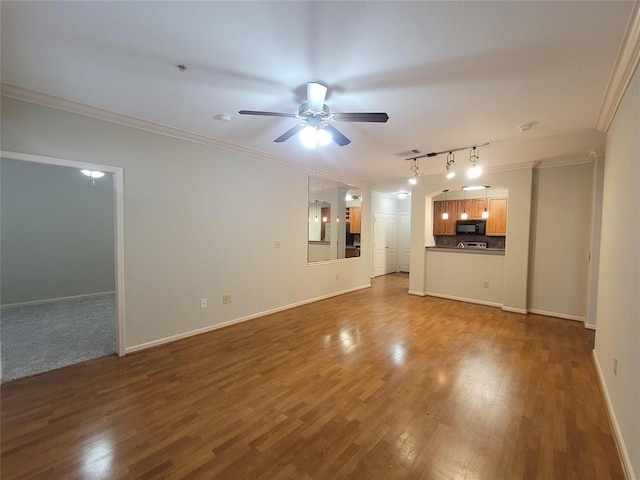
{"x":335,"y":220}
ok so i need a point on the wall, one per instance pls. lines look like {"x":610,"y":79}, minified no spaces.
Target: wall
{"x":518,"y":183}
{"x":618,"y":317}
{"x":561,"y":240}
{"x":461,"y":276}
{"x":57,"y":233}
{"x":195,"y":224}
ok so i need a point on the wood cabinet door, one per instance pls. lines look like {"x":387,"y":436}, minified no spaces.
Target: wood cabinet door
{"x":444,"y":227}
{"x":355,"y":219}
{"x":477,"y":207}
{"x":438,"y":222}
{"x":464,"y":206}
{"x":497,"y":221}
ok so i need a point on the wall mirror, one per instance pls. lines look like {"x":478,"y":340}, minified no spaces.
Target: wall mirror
{"x":334,"y":211}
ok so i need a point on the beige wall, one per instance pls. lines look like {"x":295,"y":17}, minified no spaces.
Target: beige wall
{"x":618,"y":317}
{"x":561,"y":240}
{"x":198,"y":222}
{"x":516,"y":259}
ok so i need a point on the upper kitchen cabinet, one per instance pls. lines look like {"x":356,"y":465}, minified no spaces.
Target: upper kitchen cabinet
{"x":445,"y":227}
{"x":477,"y":208}
{"x":497,"y":221}
{"x":354,"y":217}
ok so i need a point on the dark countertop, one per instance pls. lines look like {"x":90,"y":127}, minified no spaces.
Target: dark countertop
{"x":481,"y":251}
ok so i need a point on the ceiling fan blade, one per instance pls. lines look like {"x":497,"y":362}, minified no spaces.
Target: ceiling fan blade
{"x":267,"y":114}
{"x":360,"y":117}
{"x":290,"y":133}
{"x":337,"y":136}
{"x":316,"y":94}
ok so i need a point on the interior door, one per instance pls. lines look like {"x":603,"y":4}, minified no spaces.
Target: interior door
{"x":404,"y":241}
{"x":385,"y":243}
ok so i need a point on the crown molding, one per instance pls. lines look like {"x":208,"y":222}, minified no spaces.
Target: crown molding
{"x":17,"y":93}
{"x":623,"y":70}
{"x":576,"y":159}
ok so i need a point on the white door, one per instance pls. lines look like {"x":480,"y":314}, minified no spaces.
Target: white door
{"x":385,"y":243}
{"x":404,"y":241}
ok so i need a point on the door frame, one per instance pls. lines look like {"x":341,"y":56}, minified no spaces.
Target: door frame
{"x":118,"y":193}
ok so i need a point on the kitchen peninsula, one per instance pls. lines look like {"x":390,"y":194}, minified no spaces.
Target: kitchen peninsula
{"x":468,"y":259}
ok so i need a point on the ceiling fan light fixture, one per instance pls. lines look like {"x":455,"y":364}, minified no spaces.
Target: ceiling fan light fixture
{"x":451,"y":174}
{"x":308,"y":137}
{"x":311,"y":137}
{"x":323,"y":137}
{"x":413,"y":180}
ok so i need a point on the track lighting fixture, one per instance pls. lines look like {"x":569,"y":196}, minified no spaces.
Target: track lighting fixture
{"x":475,"y":171}
{"x":450,"y":161}
{"x":414,"y":168}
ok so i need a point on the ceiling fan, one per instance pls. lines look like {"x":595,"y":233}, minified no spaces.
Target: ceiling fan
{"x":316,"y":117}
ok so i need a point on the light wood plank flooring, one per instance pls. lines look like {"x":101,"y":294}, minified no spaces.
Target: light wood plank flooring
{"x":375,"y":384}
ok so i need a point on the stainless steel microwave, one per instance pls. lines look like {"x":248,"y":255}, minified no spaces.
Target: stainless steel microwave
{"x":471,"y":227}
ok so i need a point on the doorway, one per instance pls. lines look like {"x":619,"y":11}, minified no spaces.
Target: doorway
{"x":52,"y":282}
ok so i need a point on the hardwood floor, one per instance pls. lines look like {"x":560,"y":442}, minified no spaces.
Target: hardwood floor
{"x":375,"y":384}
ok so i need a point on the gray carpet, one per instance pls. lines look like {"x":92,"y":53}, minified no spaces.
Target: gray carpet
{"x":37,"y":338}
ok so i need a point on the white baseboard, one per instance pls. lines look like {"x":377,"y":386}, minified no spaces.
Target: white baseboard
{"x":59,"y":299}
{"x":590,"y":326}
{"x":191,"y":333}
{"x":523,"y":311}
{"x":622,"y":449}
{"x":463,"y":299}
{"x":420,"y":294}
{"x":557,"y":315}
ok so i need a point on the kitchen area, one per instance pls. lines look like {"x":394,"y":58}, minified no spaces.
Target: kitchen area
{"x":466,"y":260}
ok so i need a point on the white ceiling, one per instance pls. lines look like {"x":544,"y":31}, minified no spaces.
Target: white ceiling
{"x":449,"y":74}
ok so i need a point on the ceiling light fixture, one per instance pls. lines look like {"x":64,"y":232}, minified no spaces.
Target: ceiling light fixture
{"x":485,"y":214}
{"x":464,"y":214}
{"x":450,"y":161}
{"x":471,"y":188}
{"x":414,"y":168}
{"x":475,"y":171}
{"x":311,"y":136}
{"x":445,"y":215}
{"x":93,"y":174}
{"x":402,"y":195}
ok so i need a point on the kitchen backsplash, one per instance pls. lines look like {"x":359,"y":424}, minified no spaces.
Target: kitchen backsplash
{"x":451,"y":241}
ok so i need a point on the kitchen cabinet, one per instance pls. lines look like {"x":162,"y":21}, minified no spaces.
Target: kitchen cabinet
{"x":445,"y":227}
{"x":354,"y":217}
{"x":477,"y":208}
{"x":497,"y":221}
{"x":463,"y":206}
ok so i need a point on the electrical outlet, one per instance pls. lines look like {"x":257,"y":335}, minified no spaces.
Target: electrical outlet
{"x":203,"y":303}
{"x":277,"y":244}
{"x":485,"y":285}
{"x":226,"y":299}
{"x":615,"y":366}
